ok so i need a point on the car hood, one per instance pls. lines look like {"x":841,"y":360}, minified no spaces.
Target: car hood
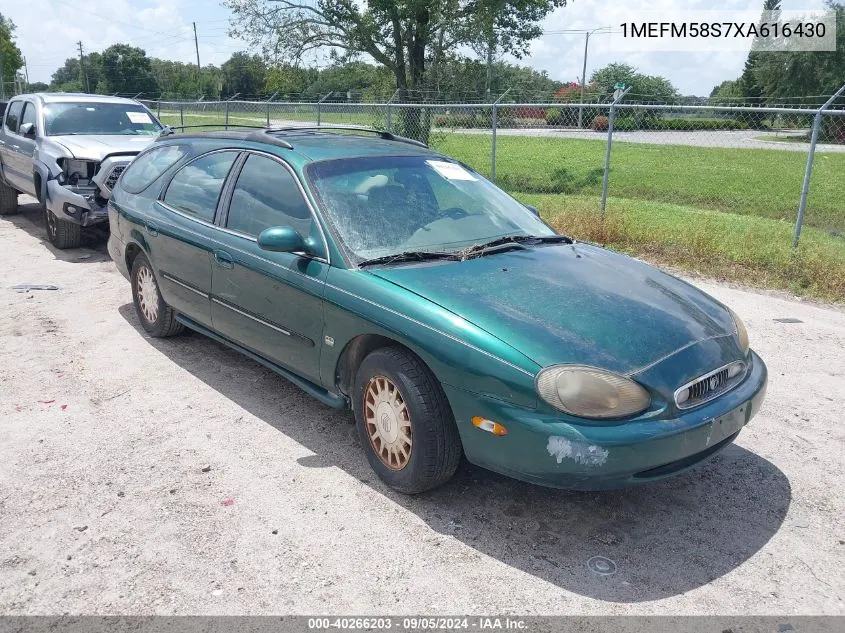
{"x":571,"y":304}
{"x":97,"y":147}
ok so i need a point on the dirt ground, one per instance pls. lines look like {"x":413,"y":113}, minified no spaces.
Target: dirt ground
{"x":142,"y":476}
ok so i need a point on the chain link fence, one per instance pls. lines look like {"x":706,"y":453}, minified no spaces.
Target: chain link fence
{"x":651,"y":159}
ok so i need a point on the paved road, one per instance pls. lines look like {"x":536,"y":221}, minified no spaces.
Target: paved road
{"x":105,"y":506}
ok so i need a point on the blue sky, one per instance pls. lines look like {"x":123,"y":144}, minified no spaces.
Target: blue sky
{"x":49,"y":29}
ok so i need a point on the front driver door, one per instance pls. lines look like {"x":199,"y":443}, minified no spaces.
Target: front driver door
{"x":271,"y":303}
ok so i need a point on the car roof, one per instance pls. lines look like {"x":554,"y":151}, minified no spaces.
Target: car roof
{"x":314,"y":144}
{"x":76,"y":97}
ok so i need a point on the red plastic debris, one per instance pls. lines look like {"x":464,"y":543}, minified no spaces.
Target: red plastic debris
{"x":64,"y":406}
{"x":46,"y":401}
{"x":228,"y":502}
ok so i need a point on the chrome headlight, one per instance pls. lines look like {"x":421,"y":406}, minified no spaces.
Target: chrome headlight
{"x":589,"y":392}
{"x":741,"y":332}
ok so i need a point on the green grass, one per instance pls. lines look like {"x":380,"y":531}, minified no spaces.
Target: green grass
{"x":760,"y":182}
{"x":746,"y":249}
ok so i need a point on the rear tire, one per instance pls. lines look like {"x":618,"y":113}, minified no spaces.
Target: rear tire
{"x":155,"y":315}
{"x":61,"y":233}
{"x":8,"y":199}
{"x":404,"y":421}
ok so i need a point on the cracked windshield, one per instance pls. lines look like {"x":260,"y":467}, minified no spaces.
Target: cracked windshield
{"x":387,"y":205}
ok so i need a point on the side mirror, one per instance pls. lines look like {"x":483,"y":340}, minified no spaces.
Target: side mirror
{"x":533,"y":209}
{"x":27,"y":130}
{"x":281,"y":239}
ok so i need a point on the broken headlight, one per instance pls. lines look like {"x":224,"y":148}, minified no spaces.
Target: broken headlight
{"x":76,"y":171}
{"x":589,"y":392}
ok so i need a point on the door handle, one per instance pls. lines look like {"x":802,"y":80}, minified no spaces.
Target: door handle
{"x":152,"y":229}
{"x":223,"y":259}
{"x":16,"y":146}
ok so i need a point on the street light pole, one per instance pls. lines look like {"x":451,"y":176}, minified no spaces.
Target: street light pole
{"x":583,"y":79}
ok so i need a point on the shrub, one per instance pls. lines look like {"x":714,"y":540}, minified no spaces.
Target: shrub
{"x":599,"y":124}
{"x":554,"y":116}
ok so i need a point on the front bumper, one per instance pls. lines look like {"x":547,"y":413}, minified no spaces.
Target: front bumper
{"x":545,"y":450}
{"x":78,"y":206}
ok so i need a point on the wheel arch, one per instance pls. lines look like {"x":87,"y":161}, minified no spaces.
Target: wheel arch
{"x":357,"y":349}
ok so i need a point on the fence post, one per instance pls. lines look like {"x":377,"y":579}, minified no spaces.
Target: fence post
{"x":158,"y":109}
{"x":182,"y":114}
{"x":611,"y":116}
{"x":227,"y":115}
{"x":808,"y":172}
{"x":390,"y":110}
{"x":495,"y":124}
{"x":319,"y":106}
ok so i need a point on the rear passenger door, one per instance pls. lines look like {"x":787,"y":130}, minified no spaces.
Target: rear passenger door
{"x":271,"y":303}
{"x":181,"y":233}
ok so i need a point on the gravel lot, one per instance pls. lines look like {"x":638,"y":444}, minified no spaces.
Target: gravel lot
{"x":106,"y":507}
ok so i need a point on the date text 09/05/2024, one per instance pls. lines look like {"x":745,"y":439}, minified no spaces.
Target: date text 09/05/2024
{"x":482,"y":623}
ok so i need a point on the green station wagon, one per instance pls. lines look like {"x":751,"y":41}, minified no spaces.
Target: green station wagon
{"x":379,"y":275}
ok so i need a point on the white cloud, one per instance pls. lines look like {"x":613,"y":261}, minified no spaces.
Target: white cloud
{"x":48,"y":31}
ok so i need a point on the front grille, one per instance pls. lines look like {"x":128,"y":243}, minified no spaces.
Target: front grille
{"x":111,"y":181}
{"x":710,"y":385}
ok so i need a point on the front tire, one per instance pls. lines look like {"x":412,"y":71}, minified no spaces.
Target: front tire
{"x":8,"y":199}
{"x":61,"y":233}
{"x":405,"y":422}
{"x":155,"y":315}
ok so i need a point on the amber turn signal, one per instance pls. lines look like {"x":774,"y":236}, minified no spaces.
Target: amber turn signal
{"x":488,"y":425}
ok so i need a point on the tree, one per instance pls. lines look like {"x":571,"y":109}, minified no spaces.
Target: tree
{"x":69,"y":78}
{"x":402,"y":35}
{"x":643,"y":87}
{"x":38,"y":86}
{"x":126,"y":70}
{"x":751,"y":89}
{"x":729,"y":92}
{"x":11,"y":59}
{"x":245,"y":74}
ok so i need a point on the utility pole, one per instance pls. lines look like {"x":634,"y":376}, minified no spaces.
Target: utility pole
{"x":83,"y":76}
{"x":197,"y":46}
{"x":26,"y":73}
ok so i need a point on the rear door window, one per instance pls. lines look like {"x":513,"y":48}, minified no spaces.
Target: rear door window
{"x":195,"y":189}
{"x":13,"y":116}
{"x":150,"y":165}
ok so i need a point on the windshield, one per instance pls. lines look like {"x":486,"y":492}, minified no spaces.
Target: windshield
{"x":384,"y":205}
{"x":98,"y":118}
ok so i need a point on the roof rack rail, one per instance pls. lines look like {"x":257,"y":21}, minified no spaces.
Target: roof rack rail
{"x":388,"y":136}
{"x":167,"y":130}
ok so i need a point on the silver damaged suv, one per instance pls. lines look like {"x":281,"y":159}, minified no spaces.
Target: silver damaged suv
{"x":68,"y":150}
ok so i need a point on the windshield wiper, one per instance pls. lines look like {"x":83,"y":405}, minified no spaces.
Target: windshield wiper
{"x":410,"y":256}
{"x":511,"y":241}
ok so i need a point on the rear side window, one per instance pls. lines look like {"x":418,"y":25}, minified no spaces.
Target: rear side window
{"x":149,"y":166}
{"x":266,"y":195}
{"x":195,"y":189}
{"x":13,"y":116}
